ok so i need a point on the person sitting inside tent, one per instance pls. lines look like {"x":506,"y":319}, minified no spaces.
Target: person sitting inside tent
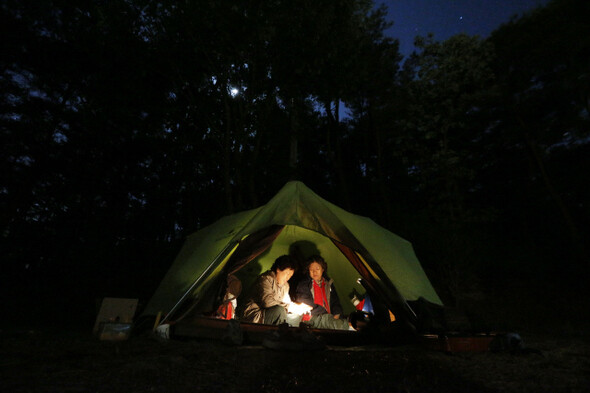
{"x":270,"y":301}
{"x":318,"y":291}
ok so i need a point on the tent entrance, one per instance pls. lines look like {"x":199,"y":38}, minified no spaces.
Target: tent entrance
{"x":256,"y":253}
{"x":301,"y":243}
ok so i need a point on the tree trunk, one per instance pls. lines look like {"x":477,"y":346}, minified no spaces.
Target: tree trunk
{"x":568,"y":220}
{"x":226,"y":157}
{"x":335,"y":152}
{"x":293,"y":136}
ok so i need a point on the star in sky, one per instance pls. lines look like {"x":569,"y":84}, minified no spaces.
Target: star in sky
{"x":445,"y":18}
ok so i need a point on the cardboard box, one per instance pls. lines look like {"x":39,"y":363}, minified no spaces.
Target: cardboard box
{"x":114,"y":317}
{"x":114,"y":331}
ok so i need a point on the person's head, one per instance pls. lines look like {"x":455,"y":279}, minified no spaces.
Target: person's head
{"x":284,"y":267}
{"x":316,"y":267}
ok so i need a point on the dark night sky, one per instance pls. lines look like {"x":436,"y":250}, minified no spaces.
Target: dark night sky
{"x":445,"y":18}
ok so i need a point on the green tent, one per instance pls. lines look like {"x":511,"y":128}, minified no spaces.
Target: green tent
{"x":361,"y":256}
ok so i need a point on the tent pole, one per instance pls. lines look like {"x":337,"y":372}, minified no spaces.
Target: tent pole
{"x":221,"y":255}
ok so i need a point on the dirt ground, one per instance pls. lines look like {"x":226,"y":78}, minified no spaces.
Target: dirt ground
{"x":56,"y":360}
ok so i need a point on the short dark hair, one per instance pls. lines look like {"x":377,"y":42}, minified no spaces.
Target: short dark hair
{"x":284,"y":262}
{"x":317,"y":259}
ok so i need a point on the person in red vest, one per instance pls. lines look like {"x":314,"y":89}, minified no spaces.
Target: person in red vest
{"x":318,"y":291}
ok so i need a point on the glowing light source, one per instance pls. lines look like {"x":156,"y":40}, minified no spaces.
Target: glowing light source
{"x":298,"y":308}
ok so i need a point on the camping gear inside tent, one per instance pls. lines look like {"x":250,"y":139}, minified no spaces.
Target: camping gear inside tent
{"x":362,"y":257}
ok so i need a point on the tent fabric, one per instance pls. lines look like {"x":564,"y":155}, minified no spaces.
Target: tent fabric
{"x":253,"y":246}
{"x":310,"y":225}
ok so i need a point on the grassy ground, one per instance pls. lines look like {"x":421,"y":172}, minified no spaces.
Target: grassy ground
{"x":68,"y":359}
{"x":61,"y":361}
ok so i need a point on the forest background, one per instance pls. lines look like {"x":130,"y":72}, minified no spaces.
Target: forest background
{"x":127,"y":125}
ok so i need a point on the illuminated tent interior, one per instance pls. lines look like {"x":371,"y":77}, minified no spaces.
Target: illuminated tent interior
{"x":300,"y":223}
